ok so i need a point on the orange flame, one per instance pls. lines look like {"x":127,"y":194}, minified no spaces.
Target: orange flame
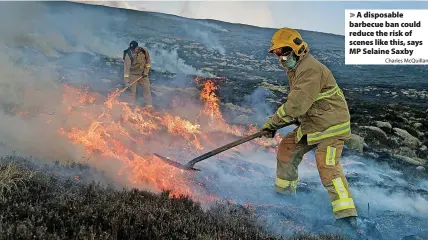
{"x":109,"y":129}
{"x":211,"y":101}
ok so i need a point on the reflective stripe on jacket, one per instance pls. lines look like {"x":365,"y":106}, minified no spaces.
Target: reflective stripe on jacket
{"x":317,"y":101}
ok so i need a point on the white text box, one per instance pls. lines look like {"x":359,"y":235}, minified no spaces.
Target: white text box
{"x":386,"y":37}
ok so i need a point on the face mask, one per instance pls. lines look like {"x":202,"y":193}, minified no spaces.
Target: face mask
{"x":288,"y":62}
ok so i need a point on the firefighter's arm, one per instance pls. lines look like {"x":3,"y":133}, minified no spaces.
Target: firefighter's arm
{"x":274,"y":123}
{"x":302,"y":95}
{"x":148,"y":63}
{"x":126,"y":66}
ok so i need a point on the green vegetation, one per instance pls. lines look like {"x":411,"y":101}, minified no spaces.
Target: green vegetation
{"x":48,"y":202}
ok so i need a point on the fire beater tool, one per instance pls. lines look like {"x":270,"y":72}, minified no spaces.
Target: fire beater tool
{"x":189,"y":165}
{"x":120,"y":92}
{"x":124,"y":89}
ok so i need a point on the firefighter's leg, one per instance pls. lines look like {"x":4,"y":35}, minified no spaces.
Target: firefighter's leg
{"x":133,"y":88}
{"x":328,"y":154}
{"x":290,"y":155}
{"x":145,"y":82}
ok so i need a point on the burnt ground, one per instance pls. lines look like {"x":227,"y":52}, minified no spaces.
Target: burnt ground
{"x":52,"y":205}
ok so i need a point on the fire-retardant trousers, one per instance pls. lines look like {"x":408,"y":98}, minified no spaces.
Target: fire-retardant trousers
{"x":327,"y":154}
{"x":145,"y":83}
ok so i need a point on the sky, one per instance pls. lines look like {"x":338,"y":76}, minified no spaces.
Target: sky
{"x":320,"y":16}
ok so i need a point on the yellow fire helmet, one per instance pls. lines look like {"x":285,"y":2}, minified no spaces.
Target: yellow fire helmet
{"x":288,"y":37}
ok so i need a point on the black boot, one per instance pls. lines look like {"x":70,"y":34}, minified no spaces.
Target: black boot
{"x":359,"y":228}
{"x":348,"y":226}
{"x":346,"y":222}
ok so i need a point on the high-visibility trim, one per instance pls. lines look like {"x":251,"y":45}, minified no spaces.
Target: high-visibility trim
{"x":344,"y":201}
{"x":340,"y":188}
{"x":340,"y":93}
{"x":282,"y":115}
{"x":281,"y":111}
{"x":299,"y":134}
{"x":342,"y":204}
{"x":125,"y":75}
{"x":148,"y":66}
{"x":328,"y":93}
{"x":330,"y":157}
{"x":330,"y":132}
{"x":281,"y":183}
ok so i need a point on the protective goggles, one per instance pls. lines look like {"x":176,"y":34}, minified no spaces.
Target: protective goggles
{"x":282,"y":55}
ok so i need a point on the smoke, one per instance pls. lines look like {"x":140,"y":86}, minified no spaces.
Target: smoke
{"x":32,"y":54}
{"x":212,"y":25}
{"x":391,"y":194}
{"x":51,"y":48}
{"x":168,"y":60}
{"x":247,"y":176}
{"x":47,"y":49}
{"x":257,"y":102}
{"x":387,"y":189}
{"x":206,"y":38}
{"x":115,"y":4}
{"x":24,"y":86}
{"x":30,"y":97}
{"x":252,"y":13}
{"x":51,"y":32}
{"x":29,"y":82}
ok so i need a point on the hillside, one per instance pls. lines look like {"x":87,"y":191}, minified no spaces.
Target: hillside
{"x":212,"y":82}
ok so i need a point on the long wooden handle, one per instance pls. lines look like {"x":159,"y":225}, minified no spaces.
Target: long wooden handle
{"x":229,"y":146}
{"x":124,"y":89}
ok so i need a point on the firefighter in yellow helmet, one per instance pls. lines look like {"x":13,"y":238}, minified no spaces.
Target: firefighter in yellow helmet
{"x":137,"y":65}
{"x":319,"y":105}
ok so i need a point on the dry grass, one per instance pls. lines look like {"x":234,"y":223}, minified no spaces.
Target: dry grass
{"x":46,"y":202}
{"x":13,"y":178}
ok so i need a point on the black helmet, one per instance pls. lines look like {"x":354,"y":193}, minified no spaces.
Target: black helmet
{"x":133,"y":44}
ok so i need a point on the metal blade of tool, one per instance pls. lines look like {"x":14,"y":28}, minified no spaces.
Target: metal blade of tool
{"x":173,"y":163}
{"x":189,"y":165}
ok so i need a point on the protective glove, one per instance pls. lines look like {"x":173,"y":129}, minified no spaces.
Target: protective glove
{"x":267,"y":126}
{"x":272,"y":125}
{"x":270,"y":133}
{"x":145,"y":75}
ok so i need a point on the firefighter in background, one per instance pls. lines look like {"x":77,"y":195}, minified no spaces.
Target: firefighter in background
{"x":319,"y":105}
{"x":137,"y":65}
